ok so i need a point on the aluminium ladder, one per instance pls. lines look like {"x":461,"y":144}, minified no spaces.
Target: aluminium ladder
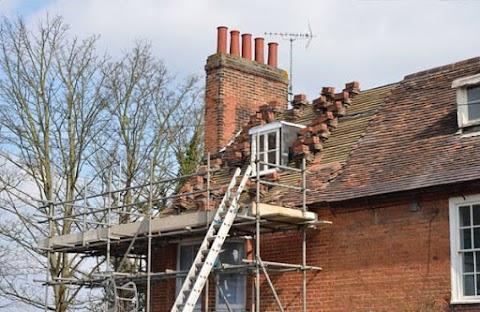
{"x":208,"y":252}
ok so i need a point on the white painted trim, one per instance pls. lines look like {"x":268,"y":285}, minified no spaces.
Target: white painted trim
{"x":455,"y":257}
{"x":461,"y":85}
{"x":466,"y":81}
{"x":468,"y":135}
{"x":291,"y":124}
{"x":273,"y":125}
{"x":265,"y":128}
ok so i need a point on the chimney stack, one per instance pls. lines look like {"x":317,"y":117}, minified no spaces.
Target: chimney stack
{"x":222,"y":39}
{"x":237,"y":86}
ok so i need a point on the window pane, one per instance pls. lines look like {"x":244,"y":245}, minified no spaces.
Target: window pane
{"x":477,"y":262}
{"x":465,"y":216}
{"x":468,"y":262}
{"x":473,"y":94}
{"x":476,"y":214}
{"x":232,"y":253}
{"x":272,"y":140}
{"x":469,"y":285}
{"x":233,"y":285}
{"x":262,"y":143}
{"x":473,"y":98}
{"x":476,"y":237}
{"x":187,"y":255}
{"x":272,"y":157}
{"x":465,"y":239}
{"x":263,"y":157}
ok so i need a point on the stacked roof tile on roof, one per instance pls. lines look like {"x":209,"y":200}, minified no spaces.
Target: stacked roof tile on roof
{"x":413,"y":142}
{"x":394,"y":138}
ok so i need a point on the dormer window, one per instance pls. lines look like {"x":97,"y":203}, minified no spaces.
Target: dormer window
{"x":271,"y":145}
{"x":468,"y":101}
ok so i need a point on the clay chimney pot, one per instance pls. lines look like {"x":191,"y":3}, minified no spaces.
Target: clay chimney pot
{"x":259,"y":50}
{"x":235,"y":42}
{"x":272,"y":54}
{"x":222,"y":39}
{"x":247,"y":46}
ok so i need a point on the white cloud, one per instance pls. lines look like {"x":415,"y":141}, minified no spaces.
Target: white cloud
{"x":375,"y":42}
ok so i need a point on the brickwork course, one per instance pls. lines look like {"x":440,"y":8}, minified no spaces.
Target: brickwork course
{"x":370,"y":154}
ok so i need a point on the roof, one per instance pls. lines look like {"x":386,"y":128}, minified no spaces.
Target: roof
{"x":398,"y":137}
{"x":413,"y":142}
{"x":343,"y":137}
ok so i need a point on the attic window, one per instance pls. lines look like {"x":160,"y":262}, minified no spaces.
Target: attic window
{"x":271,"y":145}
{"x":468,"y":101}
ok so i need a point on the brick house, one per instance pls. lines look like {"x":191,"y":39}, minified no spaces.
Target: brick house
{"x":394,"y":169}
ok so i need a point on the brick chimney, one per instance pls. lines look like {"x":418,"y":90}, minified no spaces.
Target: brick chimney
{"x":237,"y":86}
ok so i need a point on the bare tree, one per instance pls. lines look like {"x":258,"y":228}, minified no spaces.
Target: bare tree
{"x":152,"y":115}
{"x":50,"y":111}
{"x":67,"y":113}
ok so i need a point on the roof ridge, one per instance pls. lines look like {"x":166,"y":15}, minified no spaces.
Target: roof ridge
{"x":438,"y":69}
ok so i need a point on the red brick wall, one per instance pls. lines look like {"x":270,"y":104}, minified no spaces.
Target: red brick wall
{"x":236,"y":88}
{"x":378,"y":257}
{"x":163,"y":292}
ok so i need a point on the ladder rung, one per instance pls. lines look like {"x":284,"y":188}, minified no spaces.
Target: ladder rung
{"x":212,"y":238}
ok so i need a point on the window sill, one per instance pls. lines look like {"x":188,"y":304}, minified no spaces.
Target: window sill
{"x":471,"y":134}
{"x":470,"y":123}
{"x":470,"y":131}
{"x":466,"y":301}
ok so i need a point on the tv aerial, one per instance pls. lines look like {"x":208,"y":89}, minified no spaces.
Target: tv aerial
{"x":292,"y":37}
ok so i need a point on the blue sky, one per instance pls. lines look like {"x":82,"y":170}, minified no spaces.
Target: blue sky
{"x":373,"y":41}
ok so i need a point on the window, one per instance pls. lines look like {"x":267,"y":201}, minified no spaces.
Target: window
{"x":465,"y":248}
{"x":468,"y":100}
{"x":271,"y":144}
{"x":266,"y":146}
{"x":233,"y":284}
{"x":186,"y":255}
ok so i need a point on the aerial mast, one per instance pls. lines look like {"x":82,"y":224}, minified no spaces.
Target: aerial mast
{"x":291,"y":37}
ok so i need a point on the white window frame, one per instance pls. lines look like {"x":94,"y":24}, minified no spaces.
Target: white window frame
{"x":456,"y":263}
{"x":461,"y":86}
{"x":235,"y":307}
{"x":178,"y":281}
{"x":199,"y":305}
{"x":256,"y":132}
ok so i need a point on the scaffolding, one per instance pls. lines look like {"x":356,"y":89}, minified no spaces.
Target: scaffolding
{"x":116,"y":234}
